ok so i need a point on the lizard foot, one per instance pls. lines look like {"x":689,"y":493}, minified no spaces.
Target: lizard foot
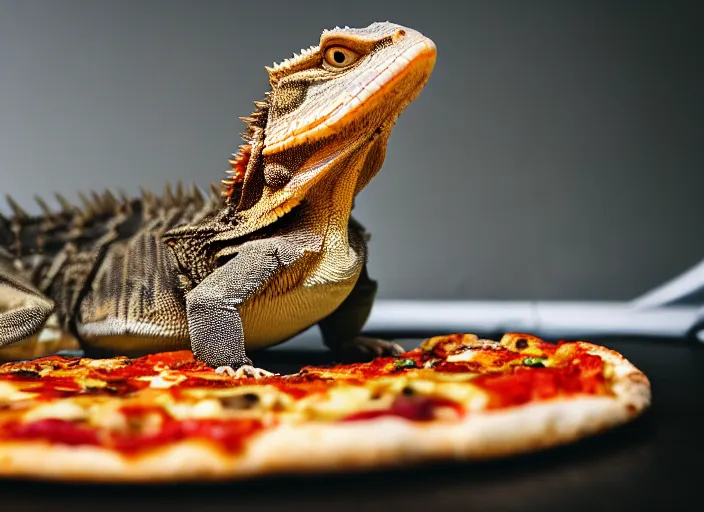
{"x":372,"y":347}
{"x":244,"y":372}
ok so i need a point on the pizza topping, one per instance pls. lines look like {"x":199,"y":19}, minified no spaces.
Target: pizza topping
{"x":106,"y":364}
{"x":25,"y":374}
{"x":565,"y":353}
{"x":463,"y":356}
{"x":61,"y":409}
{"x":145,"y":420}
{"x":300,"y":386}
{"x":525,"y":384}
{"x":245,"y":399}
{"x":165,"y":360}
{"x":165,"y":379}
{"x":405,"y":363}
{"x":151,"y":427}
{"x":526,"y":345}
{"x":442,"y":346}
{"x":206,"y":408}
{"x":55,"y":387}
{"x":109,"y":417}
{"x":414,"y":408}
{"x":241,"y":401}
{"x":9,"y":393}
{"x":536,"y":362}
{"x":230,"y":434}
{"x":140,"y":436}
{"x":339,"y":401}
{"x":53,"y":430}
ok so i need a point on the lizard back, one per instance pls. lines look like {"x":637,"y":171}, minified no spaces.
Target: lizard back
{"x":105,"y":260}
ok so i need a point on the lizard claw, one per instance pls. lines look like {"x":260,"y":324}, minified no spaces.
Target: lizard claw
{"x":375,"y":347}
{"x":244,"y":372}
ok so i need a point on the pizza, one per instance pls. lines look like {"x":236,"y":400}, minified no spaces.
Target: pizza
{"x":169,"y":417}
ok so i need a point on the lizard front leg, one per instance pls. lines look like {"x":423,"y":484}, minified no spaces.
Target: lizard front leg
{"x":212,"y":307}
{"x":341,"y":329}
{"x":23,"y":309}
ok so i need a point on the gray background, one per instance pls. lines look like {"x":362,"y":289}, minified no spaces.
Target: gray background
{"x":556,"y":153}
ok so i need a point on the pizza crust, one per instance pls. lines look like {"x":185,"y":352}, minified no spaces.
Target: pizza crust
{"x":330,"y":447}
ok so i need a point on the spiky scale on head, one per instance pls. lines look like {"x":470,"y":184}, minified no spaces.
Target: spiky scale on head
{"x":308,"y":56}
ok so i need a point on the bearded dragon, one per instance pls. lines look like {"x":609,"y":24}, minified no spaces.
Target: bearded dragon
{"x":269,"y":255}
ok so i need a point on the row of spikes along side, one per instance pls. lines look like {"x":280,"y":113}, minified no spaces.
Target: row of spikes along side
{"x":22,"y":232}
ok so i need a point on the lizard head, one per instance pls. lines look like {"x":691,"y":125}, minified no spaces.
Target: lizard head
{"x":331,"y":108}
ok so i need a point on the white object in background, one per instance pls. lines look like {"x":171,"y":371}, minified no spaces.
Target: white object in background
{"x":445,"y":316}
{"x":687,"y":287}
{"x":548,"y":319}
{"x":673,"y":309}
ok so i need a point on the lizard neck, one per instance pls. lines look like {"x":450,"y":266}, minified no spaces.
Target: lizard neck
{"x":338,"y":258}
{"x":331,"y":205}
{"x":332,"y":197}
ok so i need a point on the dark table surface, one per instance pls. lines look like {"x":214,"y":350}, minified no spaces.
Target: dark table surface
{"x":654,"y":461}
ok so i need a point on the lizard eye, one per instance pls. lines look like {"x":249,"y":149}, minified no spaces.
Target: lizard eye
{"x":340,"y":57}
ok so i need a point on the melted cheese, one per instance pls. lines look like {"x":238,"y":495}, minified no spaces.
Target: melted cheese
{"x":9,"y":393}
{"x":470,"y":397}
{"x":107,"y":416}
{"x":269,"y":396}
{"x":164,"y":380}
{"x":206,"y":408}
{"x":463,"y":357}
{"x":103,"y":364}
{"x":339,"y":402}
{"x":62,"y":410}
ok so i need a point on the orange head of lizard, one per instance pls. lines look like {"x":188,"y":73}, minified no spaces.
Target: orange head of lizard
{"x":330,"y":110}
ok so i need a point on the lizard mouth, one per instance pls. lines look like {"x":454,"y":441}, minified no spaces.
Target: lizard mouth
{"x":418,"y":59}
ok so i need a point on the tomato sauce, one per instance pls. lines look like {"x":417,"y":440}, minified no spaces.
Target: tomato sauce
{"x":228,"y":433}
{"x":414,"y":408}
{"x":522,"y":385}
{"x":301,"y":388}
{"x":195,"y":381}
{"x":174,"y":359}
{"x":52,"y":430}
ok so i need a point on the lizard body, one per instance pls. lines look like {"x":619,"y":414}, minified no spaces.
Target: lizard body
{"x":273,"y":254}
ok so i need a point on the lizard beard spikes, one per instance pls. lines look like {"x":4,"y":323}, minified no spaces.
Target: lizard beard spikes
{"x":233,"y":182}
{"x":255,"y":123}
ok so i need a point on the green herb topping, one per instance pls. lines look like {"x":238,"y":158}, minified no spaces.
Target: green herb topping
{"x":405,"y":363}
{"x":534,"y":361}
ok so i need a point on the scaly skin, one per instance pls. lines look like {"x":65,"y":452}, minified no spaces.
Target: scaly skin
{"x":275,"y":253}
